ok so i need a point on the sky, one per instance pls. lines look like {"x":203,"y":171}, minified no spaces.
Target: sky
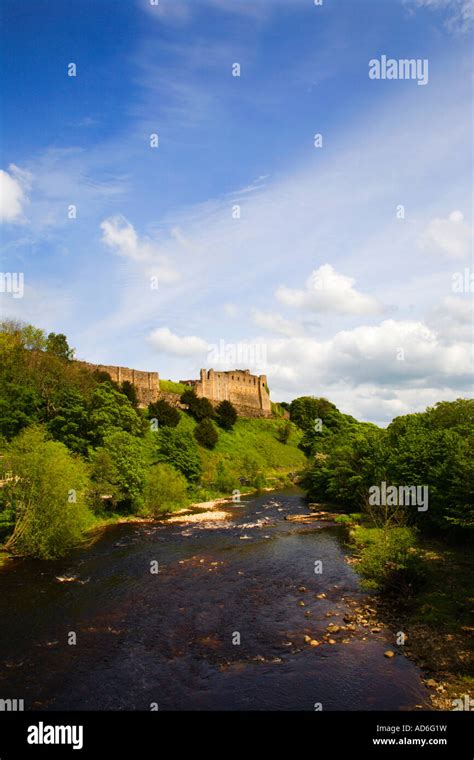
{"x":223,"y":184}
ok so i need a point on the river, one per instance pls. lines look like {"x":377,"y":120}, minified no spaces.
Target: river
{"x":169,"y":639}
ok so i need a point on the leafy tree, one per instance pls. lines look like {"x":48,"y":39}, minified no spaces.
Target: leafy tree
{"x":20,"y":406}
{"x":226,"y":415}
{"x":165,"y":489}
{"x":178,"y":448}
{"x":57,"y":345}
{"x":111,"y":410}
{"x":206,"y":433}
{"x":165,"y":414}
{"x":46,"y":492}
{"x":199,"y":408}
{"x":70,"y":423}
{"x":123,"y":471}
{"x":128,"y":389}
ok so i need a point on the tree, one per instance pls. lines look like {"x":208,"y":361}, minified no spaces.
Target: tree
{"x":70,"y":423}
{"x":165,"y":489}
{"x":165,"y":414}
{"x":178,"y":448}
{"x":226,"y":415}
{"x":57,"y":345}
{"x":206,"y":433}
{"x":20,"y":406}
{"x":110,"y":410}
{"x":119,"y":467}
{"x":46,"y":492}
{"x":199,"y":408}
{"x":128,"y":389}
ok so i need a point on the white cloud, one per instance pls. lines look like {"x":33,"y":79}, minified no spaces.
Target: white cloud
{"x":163,"y":340}
{"x":276,"y":323}
{"x":119,"y":235}
{"x":13,"y":189}
{"x":451,"y":235}
{"x":327,"y":290}
{"x":460,"y":12}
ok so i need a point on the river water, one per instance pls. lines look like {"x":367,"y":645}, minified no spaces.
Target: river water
{"x":169,"y":638}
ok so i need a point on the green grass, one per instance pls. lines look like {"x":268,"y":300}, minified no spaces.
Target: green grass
{"x":168,"y":386}
{"x":250,"y":450}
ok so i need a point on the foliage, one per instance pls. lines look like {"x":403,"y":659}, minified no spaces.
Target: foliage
{"x":226,"y":415}
{"x":46,"y":492}
{"x":165,"y":490}
{"x":129,"y":390}
{"x":284,"y":432}
{"x":57,"y":345}
{"x":111,"y":410}
{"x":165,"y":414}
{"x":388,"y":559}
{"x":206,"y":433}
{"x":199,"y":408}
{"x":119,"y":468}
{"x":178,"y":448}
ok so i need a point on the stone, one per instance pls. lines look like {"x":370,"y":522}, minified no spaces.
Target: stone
{"x":314,"y":643}
{"x":389,"y":653}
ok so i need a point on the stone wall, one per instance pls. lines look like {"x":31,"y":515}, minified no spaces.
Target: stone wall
{"x":147,"y":384}
{"x":247,"y":392}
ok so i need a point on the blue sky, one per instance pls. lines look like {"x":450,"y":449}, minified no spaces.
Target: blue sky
{"x":322,"y":283}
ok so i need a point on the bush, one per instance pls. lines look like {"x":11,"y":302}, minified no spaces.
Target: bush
{"x":284,"y":432}
{"x":199,"y":408}
{"x":178,"y":448}
{"x":118,"y":468}
{"x":165,"y":490}
{"x":206,"y":433}
{"x":226,"y":415}
{"x":388,"y":559}
{"x":165,"y":414}
{"x":46,"y":494}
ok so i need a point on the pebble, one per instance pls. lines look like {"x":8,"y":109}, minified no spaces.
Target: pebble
{"x":389,"y":653}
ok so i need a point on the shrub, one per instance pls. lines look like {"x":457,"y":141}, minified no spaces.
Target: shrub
{"x":165,"y":414}
{"x":284,"y":432}
{"x":199,"y":408}
{"x":206,"y":433}
{"x":226,"y":415}
{"x":165,"y":489}
{"x":118,"y":467}
{"x":178,"y":448}
{"x":129,"y":390}
{"x":388,"y":559}
{"x":46,"y":494}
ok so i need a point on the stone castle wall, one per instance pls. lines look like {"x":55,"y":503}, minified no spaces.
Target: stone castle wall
{"x":247,"y":392}
{"x":147,"y":384}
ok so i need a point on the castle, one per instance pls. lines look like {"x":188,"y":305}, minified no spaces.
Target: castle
{"x":248,"y":393}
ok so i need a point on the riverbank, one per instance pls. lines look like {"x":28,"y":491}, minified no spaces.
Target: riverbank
{"x":434,"y":619}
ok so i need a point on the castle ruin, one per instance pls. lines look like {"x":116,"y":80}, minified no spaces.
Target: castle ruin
{"x":147,"y":384}
{"x":248,"y":393}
